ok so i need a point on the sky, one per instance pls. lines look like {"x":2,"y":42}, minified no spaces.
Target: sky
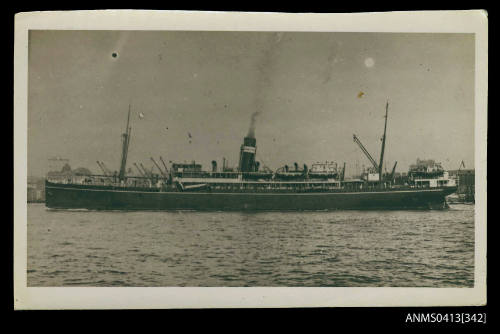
{"x":192,"y":95}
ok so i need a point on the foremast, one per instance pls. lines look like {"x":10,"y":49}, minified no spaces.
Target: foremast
{"x":125,"y":144}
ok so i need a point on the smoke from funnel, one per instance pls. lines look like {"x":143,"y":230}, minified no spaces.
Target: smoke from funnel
{"x":266,"y":65}
{"x":251,"y":130}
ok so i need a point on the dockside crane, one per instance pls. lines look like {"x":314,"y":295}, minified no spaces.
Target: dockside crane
{"x":461,"y":164}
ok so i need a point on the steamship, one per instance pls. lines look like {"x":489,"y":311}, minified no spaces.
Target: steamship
{"x":186,"y":186}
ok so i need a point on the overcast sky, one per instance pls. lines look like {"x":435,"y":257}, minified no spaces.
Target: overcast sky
{"x":313,"y":91}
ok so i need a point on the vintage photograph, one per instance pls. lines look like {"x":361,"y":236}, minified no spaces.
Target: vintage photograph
{"x":205,"y":158}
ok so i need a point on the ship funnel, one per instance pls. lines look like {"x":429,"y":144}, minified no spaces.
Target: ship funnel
{"x":249,"y":149}
{"x":214,"y":166}
{"x":247,"y":155}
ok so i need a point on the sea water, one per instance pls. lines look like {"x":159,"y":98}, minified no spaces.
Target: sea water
{"x":239,"y":249}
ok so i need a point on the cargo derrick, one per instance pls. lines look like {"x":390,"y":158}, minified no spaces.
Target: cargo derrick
{"x":376,"y":166}
{"x":141,"y":173}
{"x":104,"y":171}
{"x":393,"y":172}
{"x":161,"y":171}
{"x":357,"y":141}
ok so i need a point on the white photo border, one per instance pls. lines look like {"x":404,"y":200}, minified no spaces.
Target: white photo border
{"x":471,"y":21}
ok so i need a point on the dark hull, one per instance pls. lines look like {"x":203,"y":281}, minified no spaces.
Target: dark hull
{"x":60,"y":196}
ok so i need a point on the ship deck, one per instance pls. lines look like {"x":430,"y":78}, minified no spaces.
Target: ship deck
{"x":244,"y":187}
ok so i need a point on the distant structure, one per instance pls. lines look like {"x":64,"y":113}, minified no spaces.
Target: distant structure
{"x":465,"y":182}
{"x":66,"y":170}
{"x":59,"y":169}
{"x":57,"y":163}
{"x":36,"y":190}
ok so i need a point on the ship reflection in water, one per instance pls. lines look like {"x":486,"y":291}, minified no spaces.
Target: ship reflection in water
{"x":340,"y":248}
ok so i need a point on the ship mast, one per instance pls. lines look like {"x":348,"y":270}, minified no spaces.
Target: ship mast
{"x":383,"y":144}
{"x":125,"y":143}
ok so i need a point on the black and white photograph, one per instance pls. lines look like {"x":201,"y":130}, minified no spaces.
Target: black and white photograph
{"x":286,"y":155}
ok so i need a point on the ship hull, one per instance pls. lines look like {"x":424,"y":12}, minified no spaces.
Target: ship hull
{"x":60,"y":196}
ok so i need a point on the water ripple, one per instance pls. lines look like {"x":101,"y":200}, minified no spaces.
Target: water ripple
{"x":344,"y":249}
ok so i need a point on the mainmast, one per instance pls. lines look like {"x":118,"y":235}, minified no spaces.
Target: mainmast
{"x":125,"y":143}
{"x":383,"y":144}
